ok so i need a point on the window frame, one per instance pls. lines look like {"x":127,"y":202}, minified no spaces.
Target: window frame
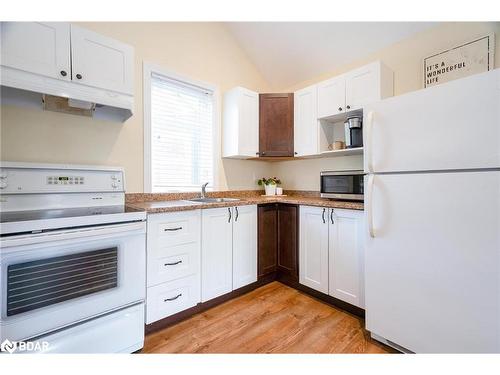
{"x":148,"y":70}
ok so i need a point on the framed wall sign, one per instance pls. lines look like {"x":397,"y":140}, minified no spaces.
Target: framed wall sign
{"x":473,"y":57}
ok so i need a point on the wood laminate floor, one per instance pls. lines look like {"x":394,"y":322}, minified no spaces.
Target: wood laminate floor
{"x":271,"y":319}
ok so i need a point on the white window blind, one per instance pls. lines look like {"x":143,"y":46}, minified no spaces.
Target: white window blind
{"x":181,"y":135}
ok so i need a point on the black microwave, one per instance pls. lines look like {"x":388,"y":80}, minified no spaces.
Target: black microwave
{"x":342,"y":185}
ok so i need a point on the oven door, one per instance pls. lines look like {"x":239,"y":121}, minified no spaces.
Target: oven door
{"x":56,"y":279}
{"x":342,"y":185}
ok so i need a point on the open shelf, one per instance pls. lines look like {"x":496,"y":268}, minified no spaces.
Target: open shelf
{"x":332,"y":129}
{"x":344,"y":152}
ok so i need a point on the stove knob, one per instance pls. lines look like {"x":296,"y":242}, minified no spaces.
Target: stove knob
{"x":3,"y":174}
{"x":3,"y":184}
{"x":114,"y":186}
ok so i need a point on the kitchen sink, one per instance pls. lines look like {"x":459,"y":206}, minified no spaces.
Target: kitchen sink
{"x":213,"y":200}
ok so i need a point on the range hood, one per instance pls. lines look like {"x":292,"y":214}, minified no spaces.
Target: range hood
{"x":20,"y":88}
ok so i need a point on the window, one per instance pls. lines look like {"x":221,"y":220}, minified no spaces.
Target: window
{"x":179,"y":117}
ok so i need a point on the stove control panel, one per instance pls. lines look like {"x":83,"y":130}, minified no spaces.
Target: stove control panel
{"x":18,"y":178}
{"x":65,"y":180}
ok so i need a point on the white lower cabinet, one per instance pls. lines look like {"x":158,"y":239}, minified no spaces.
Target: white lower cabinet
{"x":346,"y":256}
{"x":313,"y":248}
{"x":169,"y":298}
{"x":244,"y":246}
{"x":331,"y":252}
{"x":195,"y":256}
{"x":229,"y":250}
{"x":216,"y":253}
{"x":173,"y":263}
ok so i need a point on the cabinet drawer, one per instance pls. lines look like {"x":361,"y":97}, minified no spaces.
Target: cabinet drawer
{"x":174,"y":228}
{"x":169,"y":298}
{"x":173,"y":262}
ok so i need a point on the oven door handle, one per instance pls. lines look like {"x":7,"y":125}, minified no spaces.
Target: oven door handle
{"x":75,"y":234}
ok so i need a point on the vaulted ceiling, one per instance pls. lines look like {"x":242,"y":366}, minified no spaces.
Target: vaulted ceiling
{"x":287,"y":53}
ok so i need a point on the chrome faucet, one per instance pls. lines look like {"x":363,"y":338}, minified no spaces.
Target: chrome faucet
{"x":203,"y":187}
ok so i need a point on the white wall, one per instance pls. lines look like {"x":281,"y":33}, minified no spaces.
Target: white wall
{"x":405,"y":59}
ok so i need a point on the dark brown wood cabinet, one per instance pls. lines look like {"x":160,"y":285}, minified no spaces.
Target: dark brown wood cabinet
{"x":287,"y":240}
{"x":277,"y":240}
{"x":267,"y":239}
{"x":276,"y":125}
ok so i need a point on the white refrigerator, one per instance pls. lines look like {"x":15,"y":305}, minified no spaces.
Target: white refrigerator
{"x":432,"y":206}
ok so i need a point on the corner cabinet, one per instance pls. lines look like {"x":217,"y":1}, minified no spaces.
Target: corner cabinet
{"x":276,"y":125}
{"x":240,"y":124}
{"x":355,"y":89}
{"x":268,"y":239}
{"x":331,"y":252}
{"x":229,"y":249}
{"x":277,"y":244}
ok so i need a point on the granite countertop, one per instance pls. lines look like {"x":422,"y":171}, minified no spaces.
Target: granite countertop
{"x":158,"y":203}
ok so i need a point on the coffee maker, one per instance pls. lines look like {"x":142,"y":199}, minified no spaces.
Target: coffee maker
{"x":353,"y":132}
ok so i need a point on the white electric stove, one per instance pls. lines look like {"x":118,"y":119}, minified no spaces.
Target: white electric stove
{"x":72,"y":259}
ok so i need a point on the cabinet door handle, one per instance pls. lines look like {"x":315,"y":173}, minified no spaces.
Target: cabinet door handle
{"x":79,"y":76}
{"x":173,"y":263}
{"x":323,"y":216}
{"x":173,"y":298}
{"x":237,"y":214}
{"x":172,"y":229}
{"x":340,"y":109}
{"x":331,"y":216}
{"x":229,"y":211}
{"x":63,"y":73}
{"x":348,"y":107}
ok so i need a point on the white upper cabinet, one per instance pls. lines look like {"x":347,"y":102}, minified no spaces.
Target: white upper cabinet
{"x":331,"y":97}
{"x":313,"y":248}
{"x":37,"y":47}
{"x":68,"y":53}
{"x":367,"y":84}
{"x":100,"y":61}
{"x":244,"y":245}
{"x":346,"y":256}
{"x":240,"y":124}
{"x":216,"y":252}
{"x":355,"y":89}
{"x":306,"y":126}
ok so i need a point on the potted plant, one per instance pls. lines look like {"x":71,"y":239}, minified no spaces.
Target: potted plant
{"x":269,"y":184}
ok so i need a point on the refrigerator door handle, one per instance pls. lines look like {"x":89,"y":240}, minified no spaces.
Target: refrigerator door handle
{"x":368,"y":141}
{"x":369,"y":206}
